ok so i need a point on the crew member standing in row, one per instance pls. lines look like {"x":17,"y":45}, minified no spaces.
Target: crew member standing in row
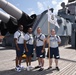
{"x":28,"y":45}
{"x":40,"y":48}
{"x":19,"y":44}
{"x":54,"y":50}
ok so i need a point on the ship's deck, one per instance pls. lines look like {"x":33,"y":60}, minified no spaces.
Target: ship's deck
{"x":67,"y":63}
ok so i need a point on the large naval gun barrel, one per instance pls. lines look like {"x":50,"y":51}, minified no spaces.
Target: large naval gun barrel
{"x":8,"y":23}
{"x":22,"y":18}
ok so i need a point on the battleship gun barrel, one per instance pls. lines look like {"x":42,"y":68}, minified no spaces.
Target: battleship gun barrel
{"x":10,"y":22}
{"x":0,"y":21}
{"x":10,"y":9}
{"x":22,"y":17}
{"x":4,"y":17}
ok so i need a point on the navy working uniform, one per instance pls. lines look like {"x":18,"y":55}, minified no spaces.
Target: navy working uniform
{"x":19,"y":35}
{"x":39,"y":45}
{"x":54,"y":51}
{"x":29,"y":43}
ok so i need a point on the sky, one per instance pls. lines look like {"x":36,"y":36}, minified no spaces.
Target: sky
{"x":37,"y":6}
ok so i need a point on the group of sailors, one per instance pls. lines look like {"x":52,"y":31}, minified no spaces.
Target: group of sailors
{"x":27,"y":42}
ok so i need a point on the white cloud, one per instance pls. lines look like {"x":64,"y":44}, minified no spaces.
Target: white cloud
{"x":58,"y":6}
{"x":45,"y":3}
{"x":54,"y":2}
{"x":32,"y":12}
{"x":40,"y":6}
